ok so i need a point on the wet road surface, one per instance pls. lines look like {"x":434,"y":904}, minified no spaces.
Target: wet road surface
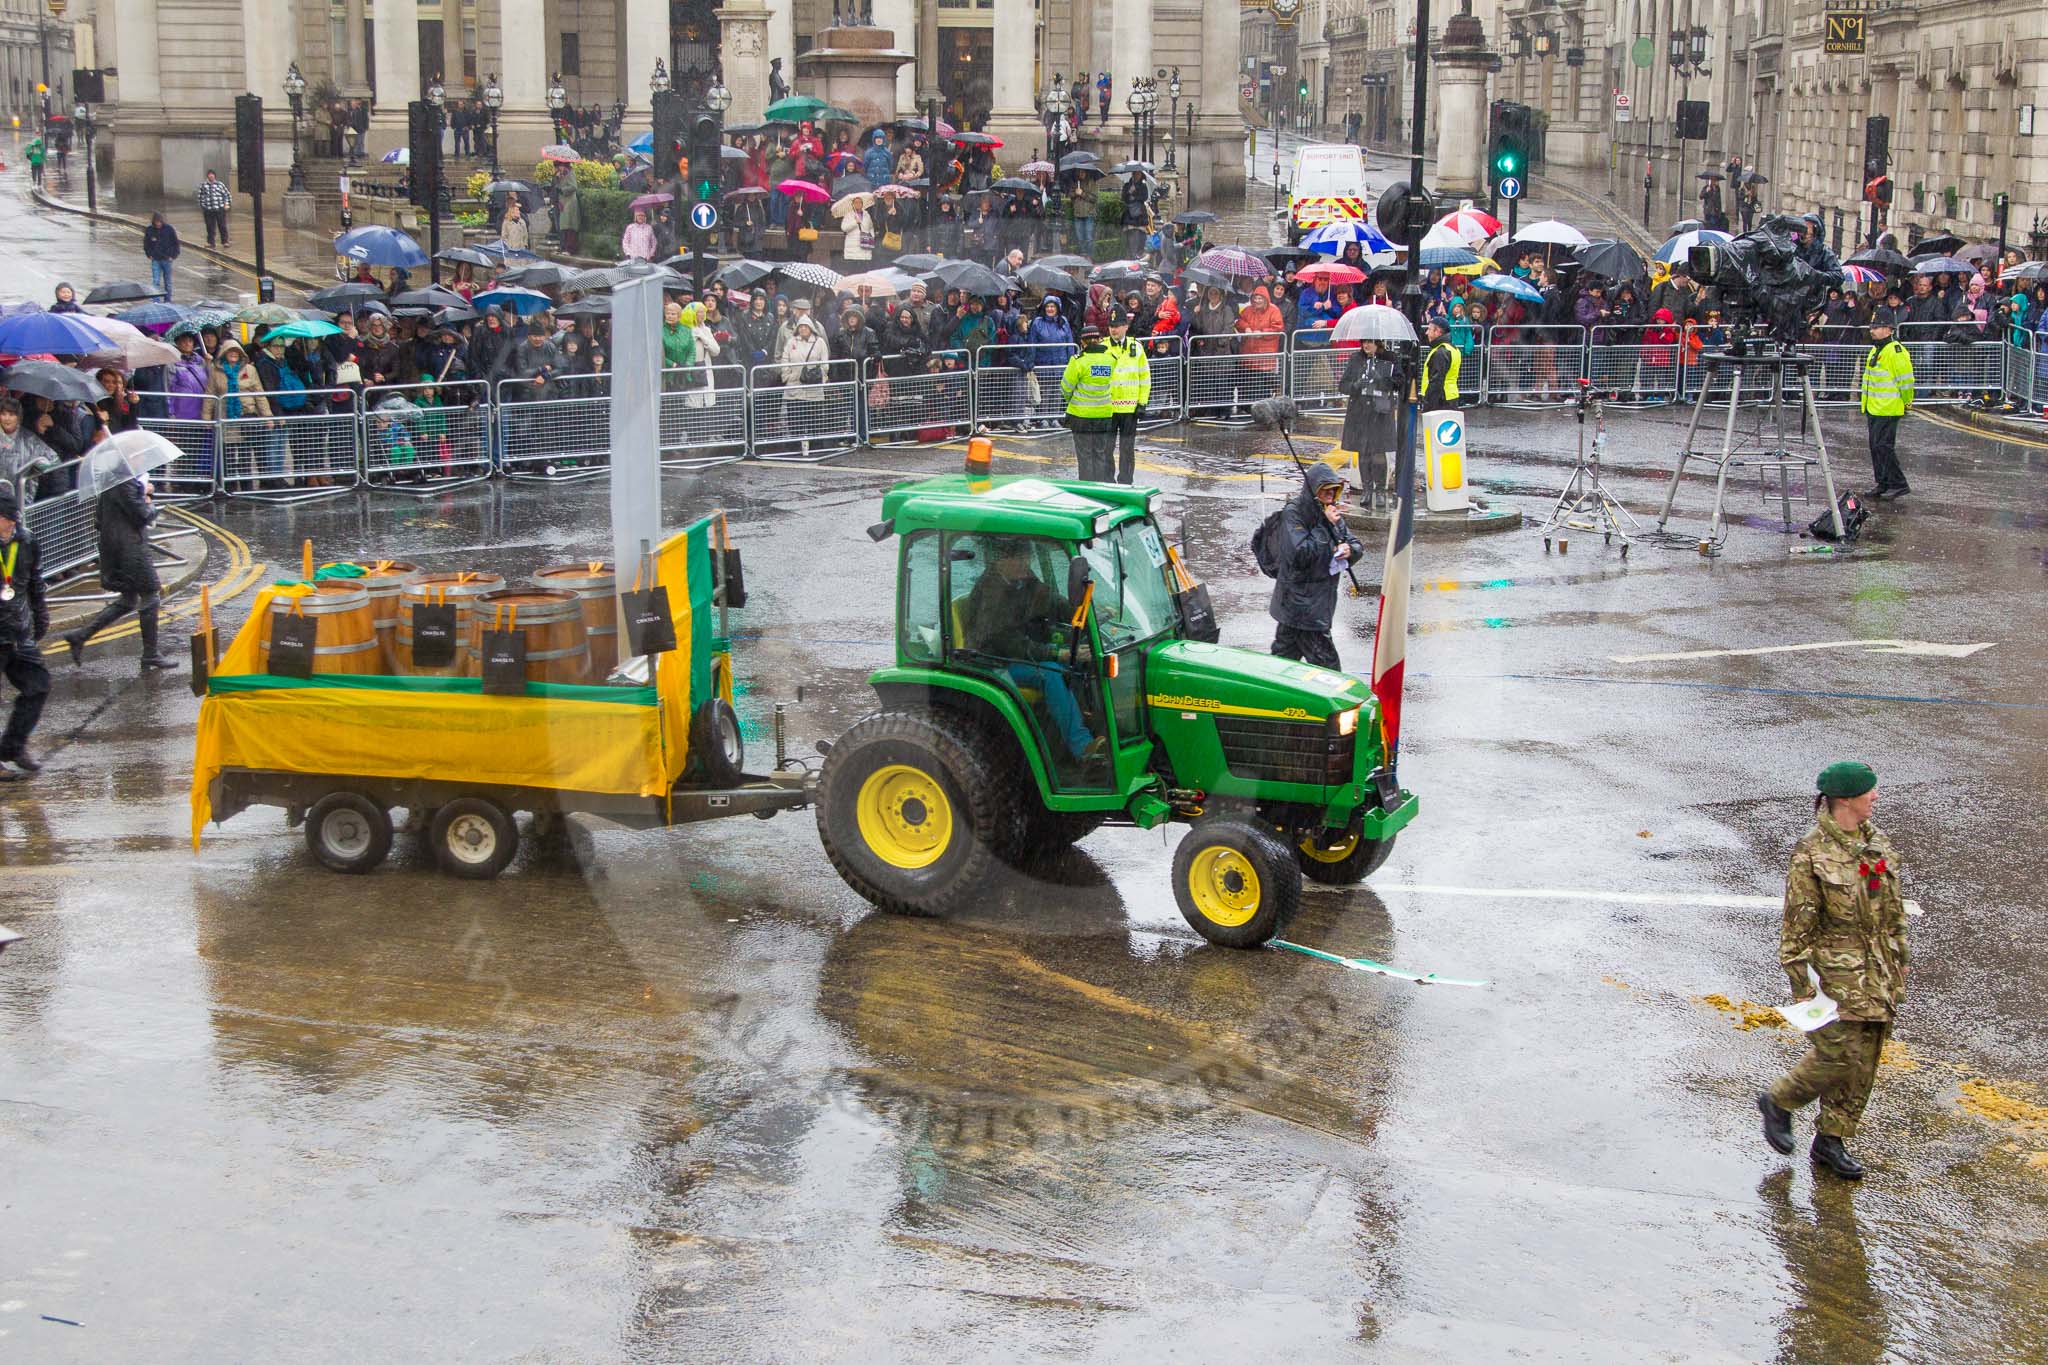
{"x":690,"y":1098}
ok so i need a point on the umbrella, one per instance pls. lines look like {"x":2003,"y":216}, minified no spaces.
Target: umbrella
{"x":130,"y":343}
{"x":1513,"y":287}
{"x":1680,"y":246}
{"x":731,"y":130}
{"x":380,"y":246}
{"x":266,"y":315}
{"x":1443,"y":257}
{"x":149,"y":315}
{"x":1710,"y":175}
{"x":1942,"y":265}
{"x":1129,"y":167}
{"x":1373,"y":322}
{"x":1979,"y":253}
{"x":1118,"y":272}
{"x":1470,"y":226}
{"x":1076,"y":161}
{"x":589,"y":281}
{"x":560,"y":152}
{"x":832,"y":113}
{"x":743,"y":274}
{"x":795,"y":108}
{"x":397,"y":156}
{"x":1038,"y":168}
{"x":1941,"y":244}
{"x":805,"y":190}
{"x":805,"y":272}
{"x":1325,"y":273}
{"x":970,"y":278}
{"x":302,"y":330}
{"x":48,"y":379}
{"x":1284,"y":256}
{"x":338,"y":297}
{"x":466,"y":255}
{"x":520,"y":301}
{"x":1755,"y":177}
{"x":1329,"y":238}
{"x":895,"y":192}
{"x":1882,"y":258}
{"x":648,"y":201}
{"x":1196,"y":274}
{"x":198,"y":320}
{"x":857,"y":202}
{"x":1686,"y":225}
{"x":920,"y":260}
{"x":125,"y":455}
{"x":121,"y":291}
{"x":523,"y":188}
{"x":1553,"y":233}
{"x":644,"y":144}
{"x":585,"y":308}
{"x":449,"y":317}
{"x":49,"y":334}
{"x":433,"y":296}
{"x":2024,"y":271}
{"x":1862,"y":274}
{"x":1615,"y":259}
{"x":839,"y":159}
{"x":1063,"y":262}
{"x":888,"y":281}
{"x":746,"y":192}
{"x":919,"y":125}
{"x":920,"y":184}
{"x":1048,"y":279}
{"x":1011,"y":182}
{"x":1485,"y":265}
{"x":977,"y":140}
{"x":1194,"y":216}
{"x":1236,"y":260}
{"x":545,"y":275}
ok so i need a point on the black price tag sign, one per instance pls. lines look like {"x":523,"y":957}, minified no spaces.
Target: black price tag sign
{"x":649,"y":627}
{"x":292,"y":641}
{"x":504,"y":667}
{"x":433,"y":635}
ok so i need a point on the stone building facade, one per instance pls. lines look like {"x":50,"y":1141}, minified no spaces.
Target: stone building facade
{"x":34,"y":43}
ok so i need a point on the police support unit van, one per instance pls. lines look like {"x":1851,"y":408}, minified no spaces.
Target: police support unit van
{"x":1328,"y":185}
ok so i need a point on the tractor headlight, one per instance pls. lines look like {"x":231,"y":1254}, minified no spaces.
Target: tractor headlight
{"x":1346,"y":721}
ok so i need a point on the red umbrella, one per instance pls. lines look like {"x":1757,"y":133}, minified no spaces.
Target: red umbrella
{"x":805,"y":190}
{"x":648,"y":201}
{"x":1330,"y":272}
{"x":977,"y":140}
{"x":837,"y":161}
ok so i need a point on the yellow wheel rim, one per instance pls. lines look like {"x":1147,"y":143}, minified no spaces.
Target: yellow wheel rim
{"x":1224,"y":885}
{"x":1336,"y":853}
{"x":904,"y":816}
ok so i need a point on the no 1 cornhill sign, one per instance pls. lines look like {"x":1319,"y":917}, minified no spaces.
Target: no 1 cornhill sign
{"x":1844,"y":32}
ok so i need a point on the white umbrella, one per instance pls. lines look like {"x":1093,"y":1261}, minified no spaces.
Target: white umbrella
{"x":1445,"y":238}
{"x":123,"y":456}
{"x":1373,"y":322}
{"x":1551,"y":231}
{"x":135,"y":347}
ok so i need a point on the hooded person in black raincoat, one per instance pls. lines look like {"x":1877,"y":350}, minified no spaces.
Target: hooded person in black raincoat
{"x":1310,"y":546}
{"x":24,"y":619}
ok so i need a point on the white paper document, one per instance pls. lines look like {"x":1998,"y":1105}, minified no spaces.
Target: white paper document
{"x":1808,"y":1015}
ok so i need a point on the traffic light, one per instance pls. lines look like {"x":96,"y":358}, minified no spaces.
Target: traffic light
{"x":668,"y":132}
{"x":1877,"y":146}
{"x":707,"y":135}
{"x":249,"y":143}
{"x":1301,"y":88}
{"x":1506,"y":157}
{"x":423,"y":144}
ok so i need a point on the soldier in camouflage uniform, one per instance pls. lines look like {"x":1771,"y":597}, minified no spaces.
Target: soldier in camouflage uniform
{"x":1844,"y":918}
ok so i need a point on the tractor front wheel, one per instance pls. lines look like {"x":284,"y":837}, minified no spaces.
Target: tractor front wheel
{"x":1237,"y":883}
{"x":909,"y":810}
{"x":1343,"y":860}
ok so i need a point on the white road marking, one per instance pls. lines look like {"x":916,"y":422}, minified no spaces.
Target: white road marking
{"x":1714,"y":900}
{"x":1921,"y":648}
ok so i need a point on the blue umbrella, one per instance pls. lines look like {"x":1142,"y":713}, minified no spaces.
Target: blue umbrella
{"x":1511,"y":286}
{"x":149,"y":315}
{"x":643,"y":144}
{"x":50,"y":334}
{"x":1443,"y":257}
{"x":1330,"y":237}
{"x":380,"y":246}
{"x":520,"y":301}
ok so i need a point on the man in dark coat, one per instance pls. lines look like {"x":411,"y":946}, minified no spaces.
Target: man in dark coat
{"x":24,"y":617}
{"x":128,"y":570}
{"x":1311,"y":547}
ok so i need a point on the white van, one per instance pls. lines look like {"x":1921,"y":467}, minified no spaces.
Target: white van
{"x":1328,"y":184}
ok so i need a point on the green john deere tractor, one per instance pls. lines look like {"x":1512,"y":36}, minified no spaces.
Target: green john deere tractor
{"x":1049,"y":680}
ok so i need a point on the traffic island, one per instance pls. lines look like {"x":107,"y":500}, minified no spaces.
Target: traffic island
{"x":1482,"y":518}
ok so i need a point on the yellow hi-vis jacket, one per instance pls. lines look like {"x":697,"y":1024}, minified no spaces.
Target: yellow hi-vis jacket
{"x":1888,"y":380}
{"x":1131,"y":387}
{"x":1087,"y":386}
{"x":1450,"y":372}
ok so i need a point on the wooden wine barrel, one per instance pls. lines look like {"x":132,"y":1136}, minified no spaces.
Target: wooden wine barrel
{"x":346,"y":632}
{"x":458,"y":590}
{"x":557,"y":648}
{"x":385,"y":580}
{"x":595,"y":583}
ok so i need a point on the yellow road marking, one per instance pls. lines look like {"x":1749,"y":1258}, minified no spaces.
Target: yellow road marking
{"x":242,"y":572}
{"x":1980,"y":432}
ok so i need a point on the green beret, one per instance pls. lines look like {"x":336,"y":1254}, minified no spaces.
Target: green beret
{"x":1846,"y":779}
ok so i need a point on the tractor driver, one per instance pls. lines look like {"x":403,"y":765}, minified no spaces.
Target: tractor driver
{"x":1009,"y":614}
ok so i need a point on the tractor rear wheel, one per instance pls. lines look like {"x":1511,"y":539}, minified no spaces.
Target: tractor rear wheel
{"x":1237,"y":883}
{"x":1344,"y":861}
{"x":911,"y":812}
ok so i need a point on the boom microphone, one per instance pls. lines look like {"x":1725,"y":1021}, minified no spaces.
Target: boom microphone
{"x":1269,"y":413}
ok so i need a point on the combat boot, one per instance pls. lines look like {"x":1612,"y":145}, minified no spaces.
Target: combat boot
{"x":1777,"y":1124}
{"x":1828,"y":1151}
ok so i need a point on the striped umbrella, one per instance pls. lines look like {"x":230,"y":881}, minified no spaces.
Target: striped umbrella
{"x":1471,"y":226}
{"x":1234,"y":260}
{"x":1680,"y":246}
{"x":1329,"y":238}
{"x":1862,"y":274}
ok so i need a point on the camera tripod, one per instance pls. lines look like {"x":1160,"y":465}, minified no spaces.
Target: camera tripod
{"x":1586,"y":504}
{"x":1766,"y":449}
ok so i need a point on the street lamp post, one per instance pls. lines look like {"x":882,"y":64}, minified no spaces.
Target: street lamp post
{"x":494,"y":100}
{"x":717,"y":99}
{"x":437,"y":99}
{"x":558,"y":100}
{"x":295,"y":91}
{"x":1688,"y":58}
{"x":1172,"y":115}
{"x":1133,"y":102}
{"x":82,"y":116}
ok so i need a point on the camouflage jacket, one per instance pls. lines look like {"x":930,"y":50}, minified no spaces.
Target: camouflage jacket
{"x":1854,"y":937}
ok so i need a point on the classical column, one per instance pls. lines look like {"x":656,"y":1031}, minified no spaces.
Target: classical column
{"x":450,"y":60}
{"x":1130,"y":56}
{"x":356,"y":84}
{"x":398,"y":51}
{"x":523,"y":75}
{"x":927,"y":49}
{"x":900,"y":18}
{"x":1013,"y":115}
{"x":138,"y":114}
{"x":1461,"y":107}
{"x":647,"y":40}
{"x":743,"y":52}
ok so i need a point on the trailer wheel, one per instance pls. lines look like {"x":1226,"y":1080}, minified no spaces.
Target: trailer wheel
{"x":1345,"y":861}
{"x":1237,"y":883}
{"x":348,"y":832}
{"x":473,"y":838}
{"x":910,"y":811}
{"x":715,"y":739}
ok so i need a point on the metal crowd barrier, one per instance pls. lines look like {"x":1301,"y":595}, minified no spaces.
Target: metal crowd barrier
{"x":799,"y":423}
{"x":924,"y":405}
{"x":1218,"y":378}
{"x":549,"y":438}
{"x":1838,"y":375}
{"x":292,"y":454}
{"x":195,"y":476}
{"x":1626,"y":369}
{"x":703,"y":416}
{"x":1168,"y":403}
{"x":422,"y":438}
{"x":1011,"y":388}
{"x":1531,"y":373}
{"x":63,"y":521}
{"x":2026,"y":386}
{"x":1314,"y":368}
{"x":1956,"y":371}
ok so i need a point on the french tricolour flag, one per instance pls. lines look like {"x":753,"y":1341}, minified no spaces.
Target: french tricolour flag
{"x":1390,"y":641}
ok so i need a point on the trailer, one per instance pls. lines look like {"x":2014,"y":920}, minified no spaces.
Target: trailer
{"x":340,"y":752}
